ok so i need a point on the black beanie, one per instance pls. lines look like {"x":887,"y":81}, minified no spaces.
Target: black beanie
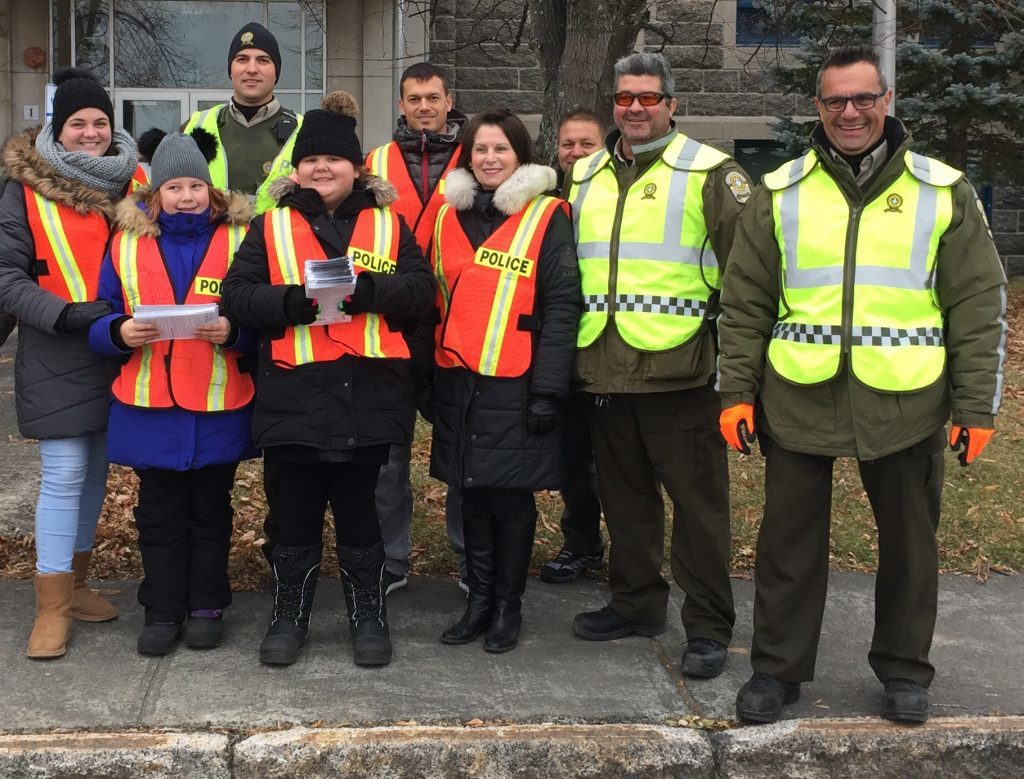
{"x":77,"y":89}
{"x":255,"y":36}
{"x":330,"y":130}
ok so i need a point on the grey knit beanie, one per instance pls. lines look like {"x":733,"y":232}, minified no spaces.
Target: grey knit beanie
{"x":177,"y":155}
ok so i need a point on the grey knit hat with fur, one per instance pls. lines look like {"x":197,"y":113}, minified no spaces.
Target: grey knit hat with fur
{"x":177,"y":156}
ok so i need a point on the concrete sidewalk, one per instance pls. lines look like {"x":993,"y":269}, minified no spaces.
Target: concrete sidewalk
{"x":558,"y":698}
{"x":554,"y":707}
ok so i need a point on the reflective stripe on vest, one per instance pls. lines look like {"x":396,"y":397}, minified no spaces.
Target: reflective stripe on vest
{"x":69,"y":247}
{"x":373,"y":246}
{"x":388,"y":163}
{"x":893,"y":327}
{"x":660,"y":254}
{"x":281,"y":166}
{"x":190,"y":374}
{"x":493,"y":290}
{"x":140,"y":179}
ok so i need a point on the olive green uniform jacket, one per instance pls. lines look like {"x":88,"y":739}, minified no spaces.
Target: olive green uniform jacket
{"x":610,"y":365}
{"x":843,"y":417}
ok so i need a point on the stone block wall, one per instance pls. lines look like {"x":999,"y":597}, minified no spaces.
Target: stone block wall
{"x":723,"y":93}
{"x":476,"y":41}
{"x":1008,"y":227}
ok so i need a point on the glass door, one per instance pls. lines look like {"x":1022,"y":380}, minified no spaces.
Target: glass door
{"x":140,"y":109}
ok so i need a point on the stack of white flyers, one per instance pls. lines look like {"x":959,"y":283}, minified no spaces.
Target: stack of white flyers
{"x":178,"y":322}
{"x":330,"y":282}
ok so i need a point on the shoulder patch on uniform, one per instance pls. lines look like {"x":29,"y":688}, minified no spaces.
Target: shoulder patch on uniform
{"x":738,"y":185}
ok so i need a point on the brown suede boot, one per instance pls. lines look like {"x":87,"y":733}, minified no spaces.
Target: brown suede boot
{"x":87,"y":604}
{"x":52,"y":626}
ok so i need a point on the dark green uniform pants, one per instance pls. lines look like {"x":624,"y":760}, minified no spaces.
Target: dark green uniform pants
{"x":791,"y":572}
{"x":671,"y":438}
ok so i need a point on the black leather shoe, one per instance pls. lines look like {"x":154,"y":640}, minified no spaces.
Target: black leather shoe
{"x":158,"y":639}
{"x":761,"y":699}
{"x":704,"y":658}
{"x":607,"y":624}
{"x":905,"y":701}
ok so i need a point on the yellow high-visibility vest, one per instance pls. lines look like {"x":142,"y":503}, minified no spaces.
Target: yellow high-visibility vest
{"x":859,"y":281}
{"x":281,"y":166}
{"x":665,"y":270}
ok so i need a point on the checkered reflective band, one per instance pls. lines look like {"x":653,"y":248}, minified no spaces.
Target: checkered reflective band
{"x":896,"y":336}
{"x":646,"y":304}
{"x":807,"y":334}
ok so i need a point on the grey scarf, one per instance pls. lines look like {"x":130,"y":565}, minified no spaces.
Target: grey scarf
{"x":107,"y":174}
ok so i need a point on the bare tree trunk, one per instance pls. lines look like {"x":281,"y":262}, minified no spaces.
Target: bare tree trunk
{"x":579,"y":42}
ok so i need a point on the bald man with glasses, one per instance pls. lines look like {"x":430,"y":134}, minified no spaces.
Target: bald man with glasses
{"x":654,"y":213}
{"x":863,"y":303}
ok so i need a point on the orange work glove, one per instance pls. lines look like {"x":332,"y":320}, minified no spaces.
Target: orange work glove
{"x":737,"y":426}
{"x":973,"y":439}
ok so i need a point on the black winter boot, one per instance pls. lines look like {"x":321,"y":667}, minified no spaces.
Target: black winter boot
{"x":513,"y":533}
{"x":478,"y":532}
{"x":295,"y":570}
{"x":362,"y":576}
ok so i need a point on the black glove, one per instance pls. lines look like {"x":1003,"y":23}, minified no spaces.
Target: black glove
{"x":361,"y":299}
{"x":299,"y":309}
{"x":541,"y":414}
{"x":425,"y":398}
{"x":76,"y":317}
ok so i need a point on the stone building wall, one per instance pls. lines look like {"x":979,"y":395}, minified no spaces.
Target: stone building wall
{"x":724,"y":94}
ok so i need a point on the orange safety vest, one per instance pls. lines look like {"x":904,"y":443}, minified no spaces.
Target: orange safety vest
{"x":139,"y":179}
{"x":491,"y":290}
{"x":374,"y":246}
{"x":190,"y":374}
{"x":388,"y":163}
{"x":69,"y":247}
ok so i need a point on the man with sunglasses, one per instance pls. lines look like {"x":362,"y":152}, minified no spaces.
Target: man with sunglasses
{"x":654,"y":213}
{"x":863,"y":302}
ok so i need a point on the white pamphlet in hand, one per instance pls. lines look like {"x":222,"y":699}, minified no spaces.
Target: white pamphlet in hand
{"x":330,"y":282}
{"x":177,"y":322}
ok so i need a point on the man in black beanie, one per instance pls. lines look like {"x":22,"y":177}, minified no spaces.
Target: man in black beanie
{"x":255,"y":133}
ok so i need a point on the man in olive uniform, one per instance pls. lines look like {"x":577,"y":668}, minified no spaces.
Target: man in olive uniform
{"x":254,"y":131}
{"x":654,"y":214}
{"x":863,"y":303}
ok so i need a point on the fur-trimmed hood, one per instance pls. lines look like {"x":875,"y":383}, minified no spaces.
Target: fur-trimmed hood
{"x":511,"y":196}
{"x":133,"y":219}
{"x":26,"y":165}
{"x":384,"y":194}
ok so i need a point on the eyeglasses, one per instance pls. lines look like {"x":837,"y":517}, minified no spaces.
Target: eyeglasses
{"x":646,"y":99}
{"x":861,"y":102}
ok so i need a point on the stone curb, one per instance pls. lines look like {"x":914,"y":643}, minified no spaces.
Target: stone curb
{"x":115,"y":755}
{"x":953,"y":747}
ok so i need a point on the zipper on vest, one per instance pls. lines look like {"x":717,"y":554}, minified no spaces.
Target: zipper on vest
{"x":613,"y":251}
{"x":849,"y":270}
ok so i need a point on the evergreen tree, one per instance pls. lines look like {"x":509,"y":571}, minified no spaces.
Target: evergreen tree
{"x":959,"y":66}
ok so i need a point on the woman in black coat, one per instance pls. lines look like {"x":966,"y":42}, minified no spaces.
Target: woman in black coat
{"x":330,"y":398}
{"x":505,"y":260}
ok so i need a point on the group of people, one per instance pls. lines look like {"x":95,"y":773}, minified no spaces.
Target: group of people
{"x":597,"y":330}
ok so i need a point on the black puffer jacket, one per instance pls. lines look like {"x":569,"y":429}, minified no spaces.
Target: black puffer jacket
{"x":480,"y":434}
{"x":351,"y":402}
{"x":62,"y":386}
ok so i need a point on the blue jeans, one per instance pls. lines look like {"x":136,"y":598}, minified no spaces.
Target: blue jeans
{"x":73,"y":483}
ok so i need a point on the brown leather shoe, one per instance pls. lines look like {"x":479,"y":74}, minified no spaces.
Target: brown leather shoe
{"x":87,"y":604}
{"x":53,"y":624}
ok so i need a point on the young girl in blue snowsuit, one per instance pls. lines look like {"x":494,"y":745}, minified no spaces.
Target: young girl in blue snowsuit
{"x":181,"y":409}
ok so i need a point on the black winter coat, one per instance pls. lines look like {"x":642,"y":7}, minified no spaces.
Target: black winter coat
{"x":480,"y":434}
{"x":62,"y":387}
{"x":352,"y":402}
